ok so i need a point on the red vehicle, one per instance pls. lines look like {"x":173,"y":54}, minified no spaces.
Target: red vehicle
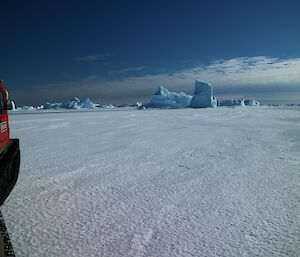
{"x":9,"y":167}
{"x":9,"y":149}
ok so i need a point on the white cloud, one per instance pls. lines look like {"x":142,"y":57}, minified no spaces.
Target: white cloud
{"x":260,"y":71}
{"x":260,"y":74}
{"x":244,"y":71}
{"x":97,"y":57}
{"x":254,"y":77}
{"x":252,"y":71}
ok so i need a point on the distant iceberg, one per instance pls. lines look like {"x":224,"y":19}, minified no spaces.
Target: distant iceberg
{"x":137,"y":104}
{"x":87,"y":104}
{"x":26,"y":108}
{"x":105,"y":106}
{"x":251,"y":103}
{"x":232,"y":102}
{"x":203,"y":96}
{"x":13,"y":106}
{"x":72,"y":104}
{"x":163,"y":98}
{"x":124,"y":105}
{"x":52,"y":106}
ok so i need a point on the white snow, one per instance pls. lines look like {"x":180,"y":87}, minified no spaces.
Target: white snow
{"x":163,"y":98}
{"x":185,"y":182}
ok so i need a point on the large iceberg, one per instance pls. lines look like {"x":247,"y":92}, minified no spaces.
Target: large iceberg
{"x":163,"y":98}
{"x":251,"y":103}
{"x":232,"y":102}
{"x":203,"y":96}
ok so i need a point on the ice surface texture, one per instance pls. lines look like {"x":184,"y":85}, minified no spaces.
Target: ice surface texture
{"x":172,"y":183}
{"x":163,"y":98}
{"x":203,"y":96}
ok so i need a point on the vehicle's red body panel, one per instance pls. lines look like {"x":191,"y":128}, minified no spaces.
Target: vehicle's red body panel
{"x":9,"y":167}
{"x":4,"y":127}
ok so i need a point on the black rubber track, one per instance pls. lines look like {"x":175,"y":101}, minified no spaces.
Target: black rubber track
{"x":8,"y":249}
{"x":9,"y":168}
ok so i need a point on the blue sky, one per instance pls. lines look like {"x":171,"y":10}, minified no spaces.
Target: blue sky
{"x":120,"y":51}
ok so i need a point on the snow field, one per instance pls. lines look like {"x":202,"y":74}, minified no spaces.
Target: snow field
{"x":185,"y":182}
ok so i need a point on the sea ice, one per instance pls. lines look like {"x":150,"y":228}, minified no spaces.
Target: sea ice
{"x":172,"y":183}
{"x":203,"y":96}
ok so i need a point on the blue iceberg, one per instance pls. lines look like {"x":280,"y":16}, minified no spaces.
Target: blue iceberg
{"x":87,"y":104}
{"x":163,"y":98}
{"x":203,"y":95}
{"x":251,"y":103}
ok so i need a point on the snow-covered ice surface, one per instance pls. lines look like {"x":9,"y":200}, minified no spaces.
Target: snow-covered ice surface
{"x":186,"y":182}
